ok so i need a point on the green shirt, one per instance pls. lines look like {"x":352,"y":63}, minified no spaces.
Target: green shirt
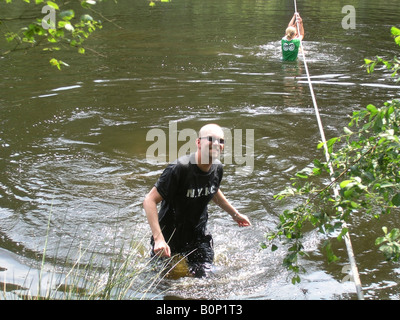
{"x":290,"y":49}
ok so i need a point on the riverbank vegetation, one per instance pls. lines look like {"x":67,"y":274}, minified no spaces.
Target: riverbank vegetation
{"x":58,"y":26}
{"x":366,"y":164}
{"x":126,"y":273}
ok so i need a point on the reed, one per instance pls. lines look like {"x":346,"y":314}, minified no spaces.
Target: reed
{"x":128,"y":272}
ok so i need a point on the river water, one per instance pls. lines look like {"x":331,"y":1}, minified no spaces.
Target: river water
{"x":73,"y":142}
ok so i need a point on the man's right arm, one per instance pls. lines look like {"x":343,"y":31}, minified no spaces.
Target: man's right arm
{"x":150,"y":207}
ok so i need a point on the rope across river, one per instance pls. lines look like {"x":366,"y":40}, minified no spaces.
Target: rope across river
{"x":346,"y":237}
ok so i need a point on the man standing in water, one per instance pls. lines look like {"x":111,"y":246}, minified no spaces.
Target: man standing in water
{"x":291,"y":41}
{"x":184,"y":189}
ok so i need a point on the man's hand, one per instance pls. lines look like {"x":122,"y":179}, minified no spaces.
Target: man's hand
{"x":223,"y":203}
{"x":161,"y":248}
{"x":242,"y":220}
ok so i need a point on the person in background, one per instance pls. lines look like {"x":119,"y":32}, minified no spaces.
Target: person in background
{"x":291,"y":41}
{"x":184,"y":189}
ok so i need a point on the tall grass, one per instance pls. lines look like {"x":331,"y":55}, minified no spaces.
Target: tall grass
{"x":122,"y":276}
{"x":127,"y":273}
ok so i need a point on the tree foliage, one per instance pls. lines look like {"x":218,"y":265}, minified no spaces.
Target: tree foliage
{"x":58,"y":26}
{"x":366,"y":164}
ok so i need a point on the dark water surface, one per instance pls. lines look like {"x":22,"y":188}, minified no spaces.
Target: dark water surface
{"x":73,"y":143}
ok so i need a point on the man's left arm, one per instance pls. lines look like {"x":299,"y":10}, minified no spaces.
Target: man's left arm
{"x":241,"y":219}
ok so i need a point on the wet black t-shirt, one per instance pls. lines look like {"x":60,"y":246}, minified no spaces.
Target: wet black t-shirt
{"x":186,"y":191}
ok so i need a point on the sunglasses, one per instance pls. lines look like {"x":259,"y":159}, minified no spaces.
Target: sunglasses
{"x":213,"y":139}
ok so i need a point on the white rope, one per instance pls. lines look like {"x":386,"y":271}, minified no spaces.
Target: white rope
{"x":346,"y":237}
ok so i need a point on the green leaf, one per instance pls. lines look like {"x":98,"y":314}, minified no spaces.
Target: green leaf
{"x":58,"y":63}
{"x":387,"y":250}
{"x":53,"y":5}
{"x":263,"y":245}
{"x":86,"y":18}
{"x":394,"y":234}
{"x":54,"y":62}
{"x":301,"y":175}
{"x":379,"y":241}
{"x":345,"y":183}
{"x":320,"y":145}
{"x":347,"y":130}
{"x":331,"y":142}
{"x":378,"y":124}
{"x":371,"y":108}
{"x":342,"y":233}
{"x":67,"y":14}
{"x":329,"y":252}
{"x":296,"y":279}
{"x":395,"y":31}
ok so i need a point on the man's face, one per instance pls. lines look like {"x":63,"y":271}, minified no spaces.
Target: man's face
{"x":211,"y":144}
